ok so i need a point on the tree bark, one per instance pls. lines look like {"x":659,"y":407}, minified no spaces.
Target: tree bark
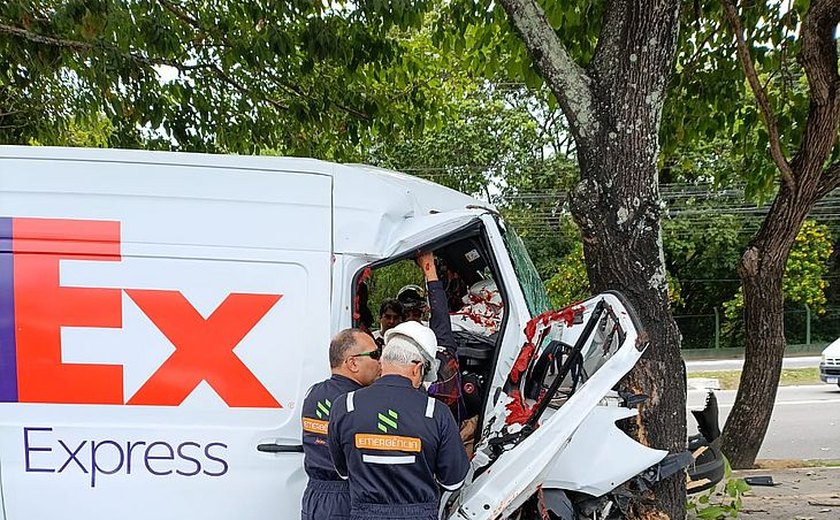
{"x":614,"y":109}
{"x":761,"y":271}
{"x":762,"y":266}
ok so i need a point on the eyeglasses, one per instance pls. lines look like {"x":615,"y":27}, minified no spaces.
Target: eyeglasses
{"x":373,"y":354}
{"x":426,"y":366}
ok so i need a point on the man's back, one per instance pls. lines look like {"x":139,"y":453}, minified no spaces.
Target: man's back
{"x":315,"y":416}
{"x":397,"y":444}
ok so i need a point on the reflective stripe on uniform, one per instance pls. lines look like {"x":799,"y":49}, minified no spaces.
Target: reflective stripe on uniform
{"x":384,"y":459}
{"x":453,"y":487}
{"x":430,"y":407}
{"x":350,"y":406}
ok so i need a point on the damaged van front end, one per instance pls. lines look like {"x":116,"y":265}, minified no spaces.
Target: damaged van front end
{"x":552,"y":434}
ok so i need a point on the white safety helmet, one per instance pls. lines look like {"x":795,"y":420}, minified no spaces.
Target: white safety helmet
{"x":422,"y":339}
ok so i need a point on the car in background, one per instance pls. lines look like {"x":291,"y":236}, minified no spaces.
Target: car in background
{"x":830,"y":363}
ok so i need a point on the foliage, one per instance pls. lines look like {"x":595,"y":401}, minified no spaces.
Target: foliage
{"x":570,"y":283}
{"x":702,"y":249}
{"x":220,"y":76}
{"x":484,"y":142}
{"x":90,"y":133}
{"x":710,"y":105}
{"x":721,"y":501}
{"x":807,"y":263}
{"x":386,"y":281}
{"x":806,"y":266}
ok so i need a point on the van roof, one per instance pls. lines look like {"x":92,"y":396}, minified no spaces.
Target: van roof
{"x":370,"y":204}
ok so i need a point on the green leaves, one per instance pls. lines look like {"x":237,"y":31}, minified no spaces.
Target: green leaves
{"x":283,"y":76}
{"x":720,"y":502}
{"x":807,"y":265}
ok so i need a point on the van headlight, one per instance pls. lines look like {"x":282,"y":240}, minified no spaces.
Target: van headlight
{"x":823,"y":359}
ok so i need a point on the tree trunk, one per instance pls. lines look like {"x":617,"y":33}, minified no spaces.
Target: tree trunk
{"x":761,"y":271}
{"x":617,"y":206}
{"x":614,"y":108}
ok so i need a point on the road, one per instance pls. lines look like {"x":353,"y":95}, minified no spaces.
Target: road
{"x":805,"y":422}
{"x":736,"y":364}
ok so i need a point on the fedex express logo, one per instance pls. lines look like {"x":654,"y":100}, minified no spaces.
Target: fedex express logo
{"x":34,"y":306}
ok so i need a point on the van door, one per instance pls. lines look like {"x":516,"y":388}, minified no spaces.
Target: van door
{"x":604,"y":338}
{"x":2,"y":495}
{"x":162,"y":318}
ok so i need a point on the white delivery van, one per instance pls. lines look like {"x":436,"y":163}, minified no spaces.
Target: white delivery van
{"x":162,"y":316}
{"x":830,"y":363}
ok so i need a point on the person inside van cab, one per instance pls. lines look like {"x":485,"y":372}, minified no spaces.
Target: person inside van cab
{"x":354,"y":361}
{"x":413,"y":299}
{"x":391,"y":314}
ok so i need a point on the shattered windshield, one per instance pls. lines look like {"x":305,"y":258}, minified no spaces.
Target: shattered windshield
{"x":532,"y":286}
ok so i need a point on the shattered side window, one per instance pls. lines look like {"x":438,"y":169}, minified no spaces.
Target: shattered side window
{"x":529,"y":280}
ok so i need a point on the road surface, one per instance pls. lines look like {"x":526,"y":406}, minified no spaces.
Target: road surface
{"x":805,"y":423}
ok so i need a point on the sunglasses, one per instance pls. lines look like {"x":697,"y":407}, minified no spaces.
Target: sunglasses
{"x":373,"y":354}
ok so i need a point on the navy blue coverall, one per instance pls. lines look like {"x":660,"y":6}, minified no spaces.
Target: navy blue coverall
{"x":447,"y":388}
{"x":396,"y":445}
{"x":326,"y":494}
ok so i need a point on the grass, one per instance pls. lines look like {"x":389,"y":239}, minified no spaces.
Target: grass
{"x":729,"y":379}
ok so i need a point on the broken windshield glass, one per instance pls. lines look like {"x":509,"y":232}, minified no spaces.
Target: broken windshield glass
{"x":529,"y":280}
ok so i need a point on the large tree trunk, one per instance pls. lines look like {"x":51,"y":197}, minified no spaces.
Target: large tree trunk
{"x":623,"y":247}
{"x":614,"y":108}
{"x":617,"y":206}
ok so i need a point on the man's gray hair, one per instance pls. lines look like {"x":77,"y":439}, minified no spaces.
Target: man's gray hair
{"x":401,"y":351}
{"x":340,"y":344}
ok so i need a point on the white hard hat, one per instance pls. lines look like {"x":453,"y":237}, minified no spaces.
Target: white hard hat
{"x":421,"y":338}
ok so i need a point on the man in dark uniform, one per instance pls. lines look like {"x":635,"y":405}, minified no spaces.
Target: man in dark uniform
{"x":396,"y":444}
{"x":354,"y":360}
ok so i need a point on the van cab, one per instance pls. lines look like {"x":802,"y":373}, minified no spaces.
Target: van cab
{"x":830,"y":363}
{"x":162,"y":316}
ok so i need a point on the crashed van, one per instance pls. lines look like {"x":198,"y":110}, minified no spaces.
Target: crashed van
{"x":162,"y":316}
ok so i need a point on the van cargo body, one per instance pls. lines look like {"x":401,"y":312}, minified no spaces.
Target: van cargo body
{"x":162,"y":316}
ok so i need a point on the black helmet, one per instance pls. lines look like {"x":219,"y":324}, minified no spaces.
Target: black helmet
{"x":412,"y":296}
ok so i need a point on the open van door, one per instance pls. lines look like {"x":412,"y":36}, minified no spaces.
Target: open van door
{"x":571,"y":361}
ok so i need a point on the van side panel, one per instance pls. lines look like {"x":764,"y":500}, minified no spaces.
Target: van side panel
{"x":156,"y":326}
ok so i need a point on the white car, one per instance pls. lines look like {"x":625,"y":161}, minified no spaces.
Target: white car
{"x":830,"y":363}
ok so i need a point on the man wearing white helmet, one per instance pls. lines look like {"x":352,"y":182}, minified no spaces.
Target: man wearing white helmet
{"x":397,"y":445}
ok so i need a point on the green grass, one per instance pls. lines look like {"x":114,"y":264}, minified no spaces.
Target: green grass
{"x":729,"y":379}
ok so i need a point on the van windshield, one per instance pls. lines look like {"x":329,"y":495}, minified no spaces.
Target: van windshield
{"x":532,"y":286}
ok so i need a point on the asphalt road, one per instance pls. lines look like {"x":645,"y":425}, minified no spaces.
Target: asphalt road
{"x":737,"y":364}
{"x":805,"y":422}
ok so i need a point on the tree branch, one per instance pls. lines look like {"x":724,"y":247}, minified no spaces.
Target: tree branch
{"x":44,"y":40}
{"x":297,"y":91}
{"x":567,"y":79}
{"x":222,"y":75}
{"x":759,"y":93}
{"x":819,"y":49}
{"x":829,"y":180}
{"x":818,"y":56}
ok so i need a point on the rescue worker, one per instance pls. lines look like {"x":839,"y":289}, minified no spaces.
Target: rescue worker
{"x":447,"y":387}
{"x":413,"y":299}
{"x":390,"y":315}
{"x":354,"y":360}
{"x":395,"y":443}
